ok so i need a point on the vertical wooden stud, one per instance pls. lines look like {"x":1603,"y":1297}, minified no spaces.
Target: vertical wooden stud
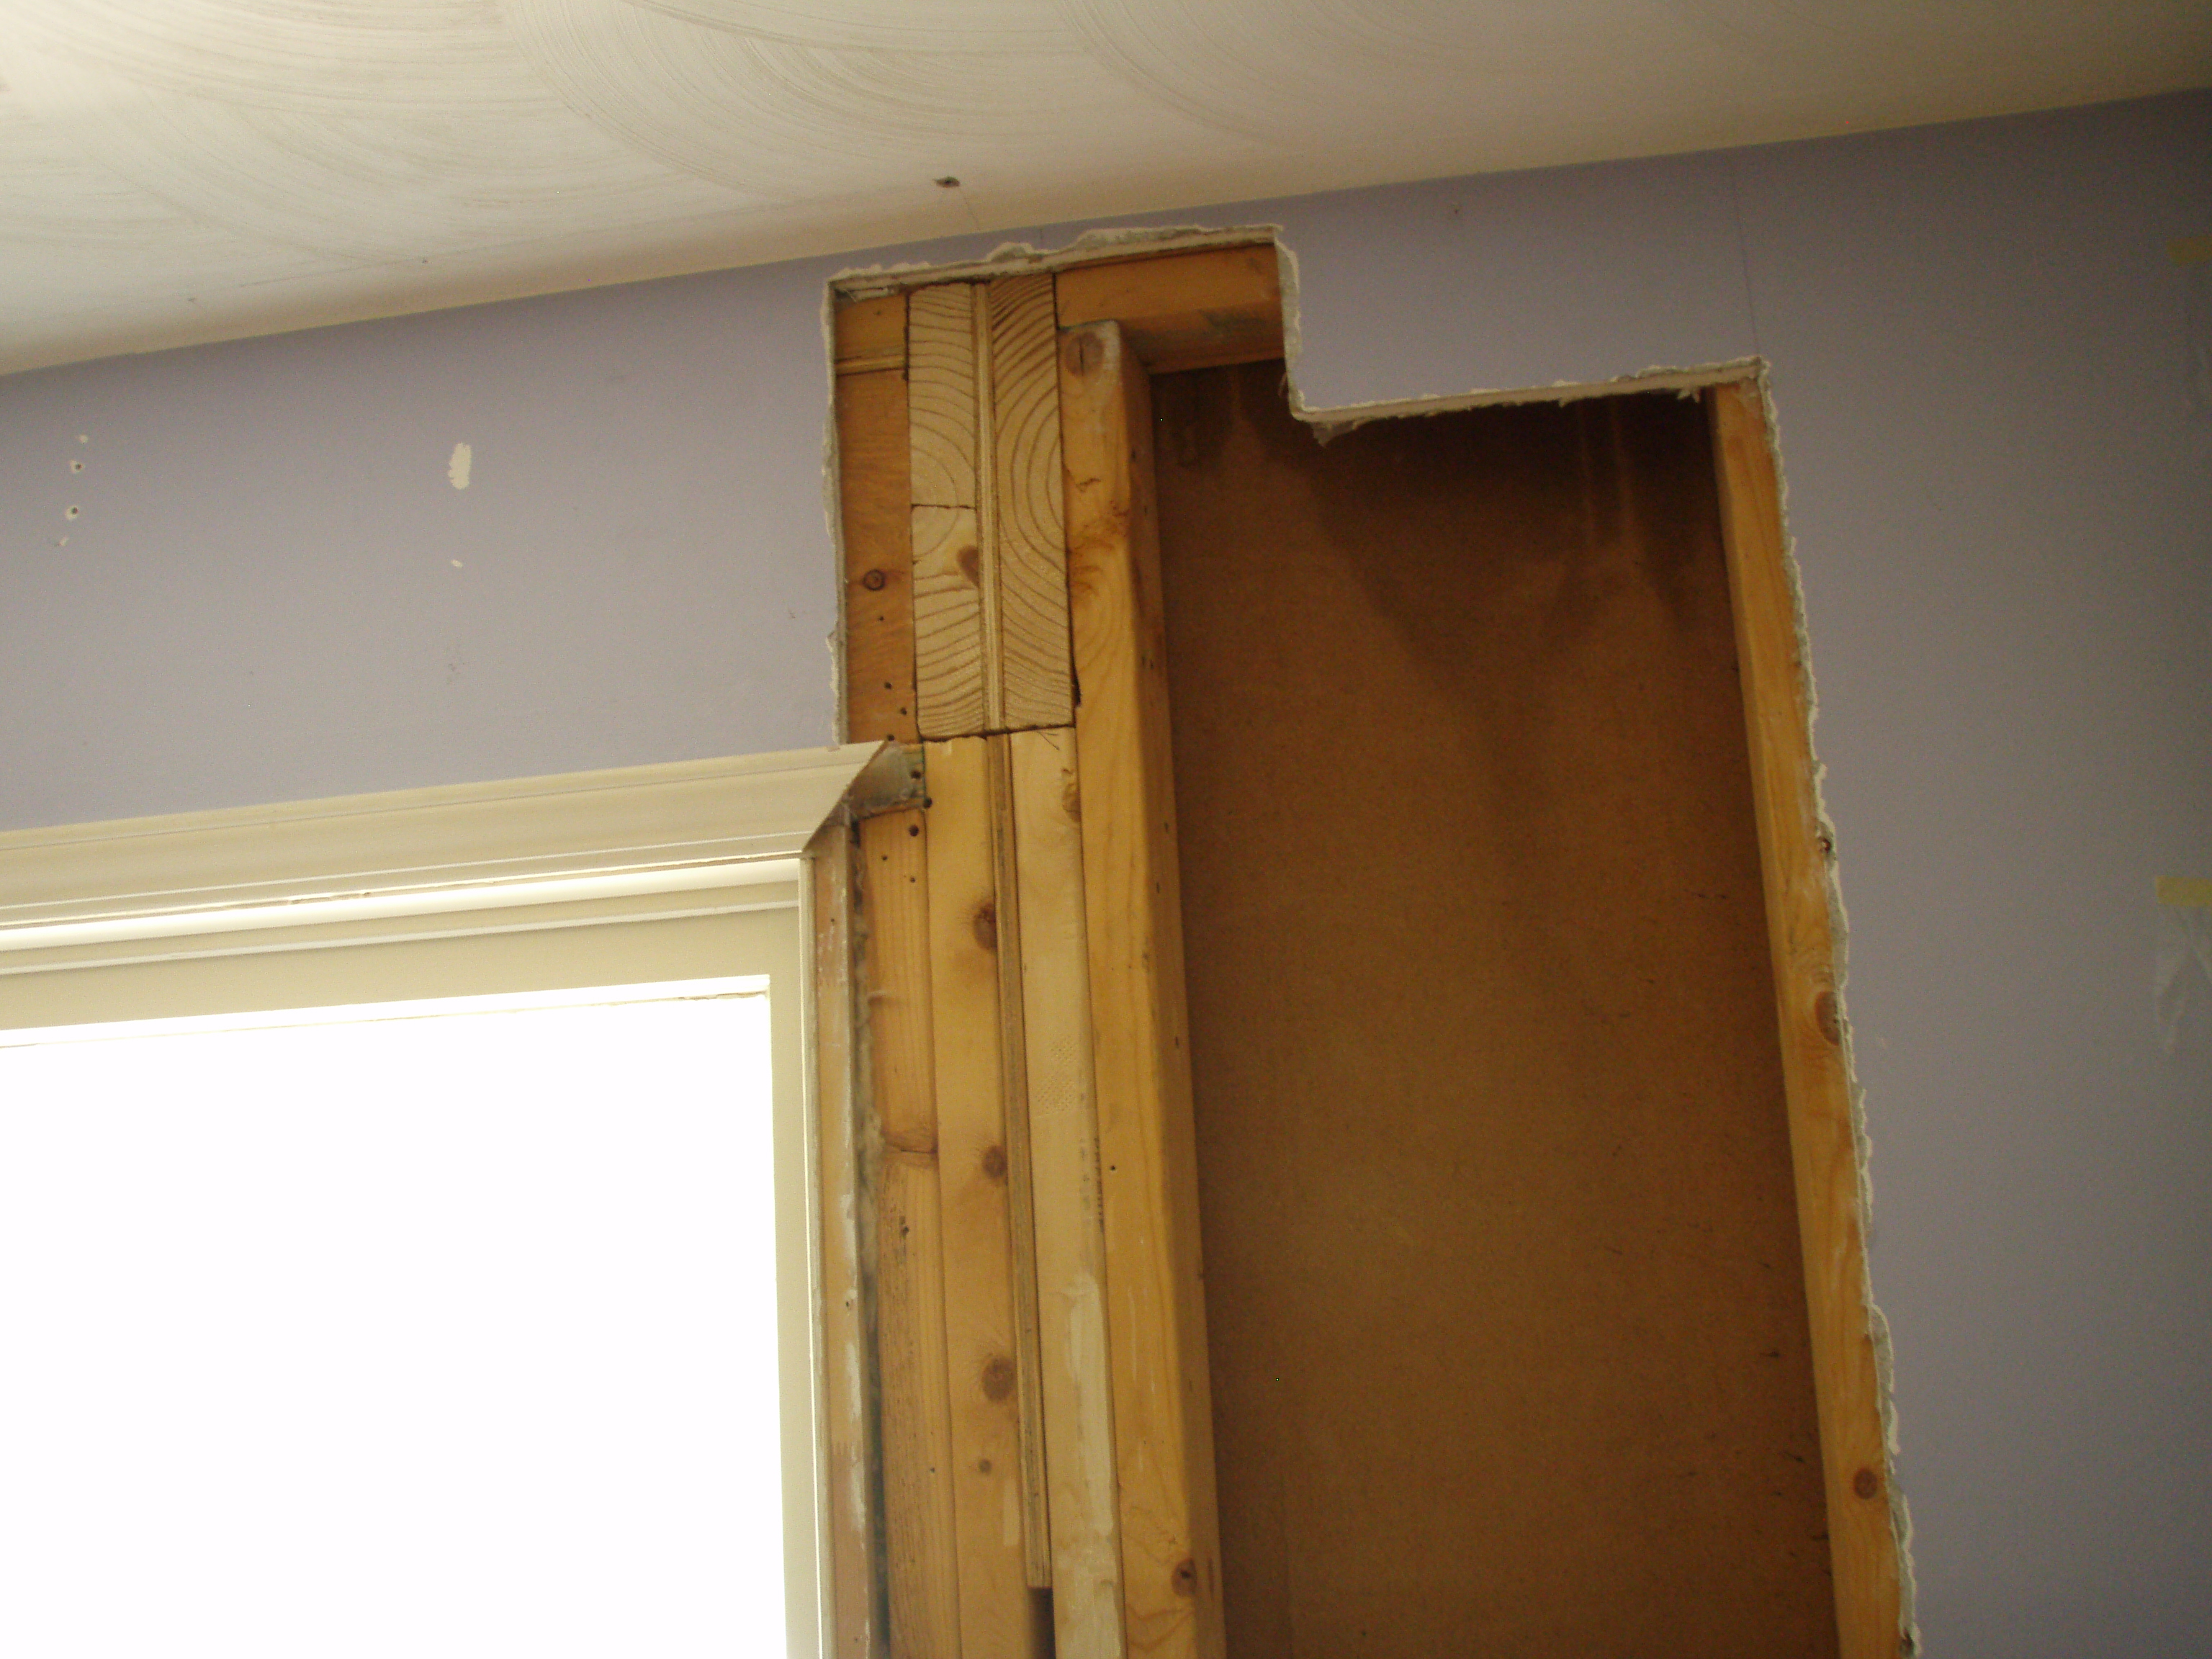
{"x":920,"y":1561}
{"x":973,"y":1187}
{"x":873,"y":448}
{"x":1071,"y":1244}
{"x":1162,"y":1403}
{"x":1861,"y":1532}
{"x":946,"y":406}
{"x":855,"y":1630}
{"x":1026,"y":560}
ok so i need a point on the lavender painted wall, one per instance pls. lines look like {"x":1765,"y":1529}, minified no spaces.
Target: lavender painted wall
{"x":2000,"y":475}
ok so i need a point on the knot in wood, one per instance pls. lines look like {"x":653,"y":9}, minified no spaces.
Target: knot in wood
{"x":986,"y":923}
{"x":1865,"y":1483}
{"x":1825,"y":1015}
{"x":1186,"y":1576}
{"x":998,"y":1377}
{"x":874,"y":580}
{"x":994,"y":1163}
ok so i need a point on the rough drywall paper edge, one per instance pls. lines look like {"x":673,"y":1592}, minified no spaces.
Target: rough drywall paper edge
{"x":1007,"y":258}
{"x":833,"y":510}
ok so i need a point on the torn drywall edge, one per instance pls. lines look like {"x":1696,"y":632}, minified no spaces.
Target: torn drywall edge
{"x":833,"y":510}
{"x":866,"y":282}
{"x":1839,"y":932}
{"x":1332,"y":421}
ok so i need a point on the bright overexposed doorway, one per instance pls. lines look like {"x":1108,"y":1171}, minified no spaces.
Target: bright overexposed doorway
{"x":429,"y":1328}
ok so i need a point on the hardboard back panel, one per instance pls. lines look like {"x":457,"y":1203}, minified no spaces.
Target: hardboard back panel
{"x":1507,"y":1323}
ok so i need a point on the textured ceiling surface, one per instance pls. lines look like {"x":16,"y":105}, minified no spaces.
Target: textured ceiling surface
{"x":172,"y":170}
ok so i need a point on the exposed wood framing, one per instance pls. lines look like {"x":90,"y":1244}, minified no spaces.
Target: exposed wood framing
{"x":990,"y":600}
{"x":873,"y":458}
{"x":871,"y":334}
{"x":922,"y":1564}
{"x":980,"y":1244}
{"x":1000,"y":1526}
{"x":854,"y":1621}
{"x":1030,"y":1023}
{"x":1071,"y":1244}
{"x":1162,"y":1405}
{"x":1025,"y":550}
{"x":1793,"y":851}
{"x":1193,"y":310}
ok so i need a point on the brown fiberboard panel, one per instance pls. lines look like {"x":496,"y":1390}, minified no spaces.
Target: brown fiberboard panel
{"x":1503,"y":1285}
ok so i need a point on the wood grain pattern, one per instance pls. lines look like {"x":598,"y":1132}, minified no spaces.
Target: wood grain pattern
{"x":1025,"y":549}
{"x":1178,"y":311}
{"x":1071,"y":1244}
{"x":875,"y":526}
{"x":921,"y":1567}
{"x":941,"y":382}
{"x":1014,"y":1069}
{"x":895,"y":970}
{"x":870,"y":334}
{"x":965,"y":937}
{"x":951,"y":657}
{"x":1862,"y":1530}
{"x":1161,"y":1402}
{"x":921,"y":1537}
{"x":847,"y":1355}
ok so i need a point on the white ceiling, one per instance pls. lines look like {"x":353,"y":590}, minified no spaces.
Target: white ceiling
{"x":178,"y":170}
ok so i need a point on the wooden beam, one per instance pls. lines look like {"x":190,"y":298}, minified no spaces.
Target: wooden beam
{"x":1071,"y":1244}
{"x":945,"y":414}
{"x":1163,"y":1407}
{"x":855,"y":1630}
{"x":1025,"y":552}
{"x":922,"y":1568}
{"x":1824,"y":1145}
{"x":870,"y":334}
{"x":873,"y":516}
{"x":994,"y":1516}
{"x":1221,"y":305}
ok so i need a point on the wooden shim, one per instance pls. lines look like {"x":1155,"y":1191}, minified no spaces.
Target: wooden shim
{"x":1222,"y":305}
{"x":1026,"y":556}
{"x":991,"y":1510}
{"x":1824,"y":1147}
{"x":921,"y":1569}
{"x":1162,"y":1401}
{"x":1071,"y":1244}
{"x":855,"y":1628}
{"x":950,"y":656}
{"x":875,"y":524}
{"x":870,"y":334}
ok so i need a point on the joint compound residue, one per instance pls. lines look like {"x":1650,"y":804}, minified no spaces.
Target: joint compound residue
{"x":458,"y":469}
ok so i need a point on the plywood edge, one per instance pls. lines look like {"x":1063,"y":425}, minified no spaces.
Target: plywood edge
{"x":1156,"y":1310}
{"x":1863,"y":1532}
{"x":1185,"y":310}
